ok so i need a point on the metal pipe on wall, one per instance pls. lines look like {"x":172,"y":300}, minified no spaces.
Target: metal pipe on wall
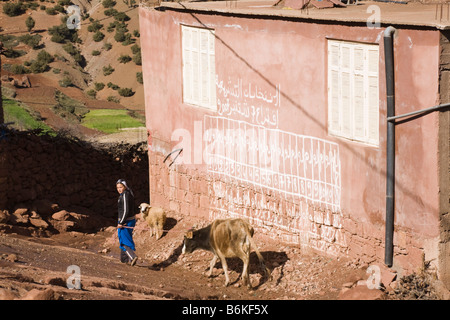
{"x":390,"y":152}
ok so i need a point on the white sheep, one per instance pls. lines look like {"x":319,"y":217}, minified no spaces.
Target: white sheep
{"x":155,"y":217}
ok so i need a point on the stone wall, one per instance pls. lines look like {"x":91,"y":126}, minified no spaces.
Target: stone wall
{"x":68,"y":172}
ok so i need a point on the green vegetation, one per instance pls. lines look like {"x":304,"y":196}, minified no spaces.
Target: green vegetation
{"x":139,"y":77}
{"x":14,"y":9}
{"x":66,"y":81}
{"x":92,"y":93}
{"x":124,"y":58}
{"x":31,"y":40}
{"x":69,"y":108}
{"x":95,"y":26}
{"x":99,"y":86}
{"x":29,"y":23}
{"x":61,"y":34}
{"x":110,"y":120}
{"x":137,"y":58}
{"x":108,"y":3}
{"x":15,"y":112}
{"x":107,"y":70}
{"x":98,"y":36}
{"x":126,"y":92}
{"x":107,"y":46}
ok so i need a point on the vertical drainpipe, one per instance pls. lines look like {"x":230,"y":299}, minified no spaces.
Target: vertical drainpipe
{"x":390,"y":152}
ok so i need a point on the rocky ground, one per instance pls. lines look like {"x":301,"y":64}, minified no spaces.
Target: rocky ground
{"x":34,"y":265}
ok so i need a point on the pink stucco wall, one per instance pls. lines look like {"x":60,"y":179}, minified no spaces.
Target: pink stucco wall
{"x":289,"y":59}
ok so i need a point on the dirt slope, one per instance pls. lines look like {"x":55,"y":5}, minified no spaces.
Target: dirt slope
{"x":40,"y":97}
{"x":162,"y":272}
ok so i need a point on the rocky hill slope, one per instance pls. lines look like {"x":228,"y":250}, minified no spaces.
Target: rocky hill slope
{"x":97,"y":64}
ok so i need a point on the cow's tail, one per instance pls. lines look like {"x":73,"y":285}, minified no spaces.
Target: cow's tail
{"x":260,"y":257}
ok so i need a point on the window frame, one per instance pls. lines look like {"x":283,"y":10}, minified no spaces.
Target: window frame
{"x":198,"y":77}
{"x":363,"y":70}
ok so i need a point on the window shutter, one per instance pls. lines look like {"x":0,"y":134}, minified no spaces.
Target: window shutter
{"x":373,"y":95}
{"x":353,"y":106}
{"x":333,"y":87}
{"x":359,"y":106}
{"x":195,"y":65}
{"x":199,"y":85}
{"x":187,"y":65}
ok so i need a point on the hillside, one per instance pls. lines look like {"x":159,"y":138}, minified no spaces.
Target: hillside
{"x":77,"y":62}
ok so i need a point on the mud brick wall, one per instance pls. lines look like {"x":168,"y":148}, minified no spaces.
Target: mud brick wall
{"x":68,"y":172}
{"x":190,"y":191}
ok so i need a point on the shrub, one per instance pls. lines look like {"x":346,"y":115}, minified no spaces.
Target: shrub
{"x":98,"y":36}
{"x":61,"y":33}
{"x":38,"y":66}
{"x":113,"y":99}
{"x":65,"y":82}
{"x":31,"y":40}
{"x":137,"y":58}
{"x":128,"y":40}
{"x":136,"y":33}
{"x":95,"y":26}
{"x":95,"y":53}
{"x":29,"y":23}
{"x":19,"y":69}
{"x":139,"y":77}
{"x":99,"y":86}
{"x":113,"y":86}
{"x":126,"y":92}
{"x":122,"y":17}
{"x":70,"y":48}
{"x":107,"y":46}
{"x":119,"y":36}
{"x":59,"y":8}
{"x":45,"y":57}
{"x":51,"y":11}
{"x":92,"y":93}
{"x":14,"y":9}
{"x":65,"y":2}
{"x":78,"y":57}
{"x":120,"y":26}
{"x":108,"y":3}
{"x":111,"y":12}
{"x":107,"y":70}
{"x":135,"y":49}
{"x":124,"y":58}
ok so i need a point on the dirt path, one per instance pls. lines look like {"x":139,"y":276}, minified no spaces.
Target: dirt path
{"x":162,"y":272}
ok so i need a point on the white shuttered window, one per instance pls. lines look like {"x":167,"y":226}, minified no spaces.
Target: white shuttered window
{"x":199,"y":72}
{"x":353,"y":108}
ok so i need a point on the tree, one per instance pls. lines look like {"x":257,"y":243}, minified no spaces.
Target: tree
{"x":14,"y":9}
{"x":124,"y":58}
{"x":139,"y":77}
{"x":126,"y":92}
{"x":137,"y":58}
{"x":98,"y":36}
{"x":30,"y":23}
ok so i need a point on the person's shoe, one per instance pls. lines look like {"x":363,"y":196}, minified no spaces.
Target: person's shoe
{"x":133,"y":262}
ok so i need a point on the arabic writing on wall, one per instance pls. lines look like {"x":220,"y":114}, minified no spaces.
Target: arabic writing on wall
{"x":248,"y":101}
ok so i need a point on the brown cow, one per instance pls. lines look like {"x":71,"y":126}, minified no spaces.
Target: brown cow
{"x":226,"y":239}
